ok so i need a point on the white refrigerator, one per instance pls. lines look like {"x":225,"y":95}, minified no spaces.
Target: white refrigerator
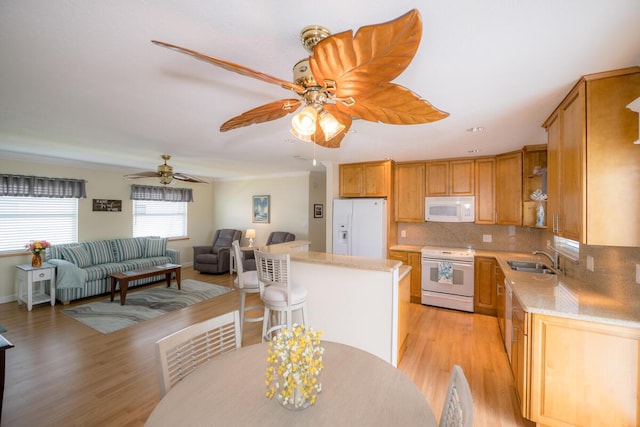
{"x":360,"y":227}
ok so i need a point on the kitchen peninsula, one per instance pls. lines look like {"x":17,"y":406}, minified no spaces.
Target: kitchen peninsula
{"x":362,"y":302}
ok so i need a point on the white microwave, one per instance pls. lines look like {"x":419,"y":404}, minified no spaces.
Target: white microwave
{"x":450,"y":209}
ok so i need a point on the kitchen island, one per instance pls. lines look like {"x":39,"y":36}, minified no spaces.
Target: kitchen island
{"x":353,"y":300}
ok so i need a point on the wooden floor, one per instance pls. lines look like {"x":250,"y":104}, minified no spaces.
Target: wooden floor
{"x":62,"y":373}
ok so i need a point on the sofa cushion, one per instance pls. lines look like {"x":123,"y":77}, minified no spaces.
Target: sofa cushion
{"x":156,"y":247}
{"x":77,"y":255}
{"x":101,"y":251}
{"x":132,"y":248}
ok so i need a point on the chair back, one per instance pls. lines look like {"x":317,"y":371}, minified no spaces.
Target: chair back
{"x":457,"y":410}
{"x":222,"y":238}
{"x":280,"y":237}
{"x":180,"y":353}
{"x":239,"y":281}
{"x":274,"y":270}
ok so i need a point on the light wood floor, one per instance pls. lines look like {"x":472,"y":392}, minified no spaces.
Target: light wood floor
{"x":62,"y":373}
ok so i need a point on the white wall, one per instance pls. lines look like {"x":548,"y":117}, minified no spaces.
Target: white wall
{"x":221,"y":204}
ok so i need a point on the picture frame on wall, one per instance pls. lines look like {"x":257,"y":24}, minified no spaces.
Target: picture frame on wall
{"x":261,"y":208}
{"x":318,"y":210}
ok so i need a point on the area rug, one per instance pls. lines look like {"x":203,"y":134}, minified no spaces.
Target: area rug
{"x":106,"y":316}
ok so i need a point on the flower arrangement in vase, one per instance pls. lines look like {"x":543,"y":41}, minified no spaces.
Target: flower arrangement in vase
{"x":294,"y":363}
{"x":36,"y":247}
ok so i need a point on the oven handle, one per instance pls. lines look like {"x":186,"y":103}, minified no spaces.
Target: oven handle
{"x":456,"y":262}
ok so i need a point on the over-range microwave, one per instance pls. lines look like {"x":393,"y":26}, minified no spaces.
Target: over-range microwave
{"x":450,"y":209}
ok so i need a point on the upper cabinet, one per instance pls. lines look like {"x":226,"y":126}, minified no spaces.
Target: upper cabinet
{"x":509,"y":188}
{"x":409,"y":191}
{"x":485,"y":182}
{"x":450,"y":178}
{"x":369,"y":179}
{"x":593,"y":164}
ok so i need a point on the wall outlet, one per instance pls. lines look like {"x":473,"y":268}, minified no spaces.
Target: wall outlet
{"x":403,"y":233}
{"x":589,"y":263}
{"x":638,"y":274}
{"x":487,"y":238}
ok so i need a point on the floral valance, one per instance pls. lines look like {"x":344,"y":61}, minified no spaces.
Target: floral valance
{"x":40,"y":186}
{"x":166,"y":194}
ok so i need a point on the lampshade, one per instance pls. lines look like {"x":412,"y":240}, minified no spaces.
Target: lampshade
{"x":251,"y":233}
{"x":303,"y":124}
{"x":330,"y":125}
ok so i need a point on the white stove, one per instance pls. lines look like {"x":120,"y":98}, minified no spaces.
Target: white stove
{"x":447,"y":277}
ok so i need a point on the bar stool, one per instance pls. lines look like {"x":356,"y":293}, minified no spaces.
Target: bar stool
{"x":279,"y":295}
{"x":247,"y":283}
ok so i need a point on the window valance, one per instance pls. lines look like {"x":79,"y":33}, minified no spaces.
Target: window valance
{"x":40,"y":186}
{"x":166,"y":194}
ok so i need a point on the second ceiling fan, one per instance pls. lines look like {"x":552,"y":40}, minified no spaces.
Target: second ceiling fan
{"x":346,"y":77}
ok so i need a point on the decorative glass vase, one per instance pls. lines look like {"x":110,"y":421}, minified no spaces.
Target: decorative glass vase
{"x":297,"y":401}
{"x":36,"y":260}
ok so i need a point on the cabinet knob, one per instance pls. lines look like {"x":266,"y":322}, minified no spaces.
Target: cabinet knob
{"x":42,"y":275}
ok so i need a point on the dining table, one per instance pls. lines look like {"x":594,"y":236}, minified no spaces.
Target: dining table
{"x":358,"y":388}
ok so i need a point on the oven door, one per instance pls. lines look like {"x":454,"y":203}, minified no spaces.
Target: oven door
{"x":462,"y":278}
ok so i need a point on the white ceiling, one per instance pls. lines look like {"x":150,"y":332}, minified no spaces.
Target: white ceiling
{"x":80,"y":80}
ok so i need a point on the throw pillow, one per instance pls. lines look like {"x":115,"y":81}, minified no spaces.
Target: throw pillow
{"x":156,"y":247}
{"x":77,"y":255}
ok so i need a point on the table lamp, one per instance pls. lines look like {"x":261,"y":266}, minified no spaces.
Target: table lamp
{"x":251,"y":234}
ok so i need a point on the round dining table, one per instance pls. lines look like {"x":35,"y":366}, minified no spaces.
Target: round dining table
{"x":358,"y":388}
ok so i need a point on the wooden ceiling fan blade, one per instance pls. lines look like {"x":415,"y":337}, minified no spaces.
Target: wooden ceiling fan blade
{"x":264,"y":113}
{"x":236,"y":68}
{"x":391,"y":104}
{"x":149,"y":174}
{"x":377,"y":53}
{"x":188,"y":178}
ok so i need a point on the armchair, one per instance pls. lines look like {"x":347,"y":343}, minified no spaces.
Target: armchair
{"x":215,"y":258}
{"x":249,"y":262}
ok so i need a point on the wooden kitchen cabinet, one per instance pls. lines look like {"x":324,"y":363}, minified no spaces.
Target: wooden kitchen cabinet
{"x":369,"y":179}
{"x":450,"y":178}
{"x":583,"y":373}
{"x":501,"y":302}
{"x":593,"y":174}
{"x":413,"y":259}
{"x":520,"y":353}
{"x":409,"y":191}
{"x":485,"y":296}
{"x":534,"y":163}
{"x":485,"y":191}
{"x":509,"y":188}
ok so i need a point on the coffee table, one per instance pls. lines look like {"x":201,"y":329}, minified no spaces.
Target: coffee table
{"x":127,"y":276}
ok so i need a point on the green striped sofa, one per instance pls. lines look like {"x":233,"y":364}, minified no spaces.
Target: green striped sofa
{"x":99,"y":258}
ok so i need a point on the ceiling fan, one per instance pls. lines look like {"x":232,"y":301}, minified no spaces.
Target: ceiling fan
{"x":165,"y":173}
{"x":346,"y":77}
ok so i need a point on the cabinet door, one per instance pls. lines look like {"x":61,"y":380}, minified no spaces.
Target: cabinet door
{"x":437,"y":177}
{"x":583,"y":373}
{"x":520,"y":354}
{"x":509,"y":189}
{"x":351,"y":180}
{"x":415,"y":261}
{"x":485,"y":183}
{"x":500,"y":300}
{"x":461,"y":178}
{"x":485,"y":295}
{"x":376,"y":179}
{"x":571,"y":160}
{"x":409,"y":192}
{"x":553,"y":173}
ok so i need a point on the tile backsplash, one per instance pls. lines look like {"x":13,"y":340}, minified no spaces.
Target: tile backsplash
{"x":614,"y":267}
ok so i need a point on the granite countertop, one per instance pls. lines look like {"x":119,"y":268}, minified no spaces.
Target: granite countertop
{"x":559,"y":295}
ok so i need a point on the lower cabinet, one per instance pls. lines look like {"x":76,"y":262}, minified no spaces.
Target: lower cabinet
{"x":485,"y":297}
{"x":582,"y":373}
{"x":519,"y":353}
{"x":414,"y":259}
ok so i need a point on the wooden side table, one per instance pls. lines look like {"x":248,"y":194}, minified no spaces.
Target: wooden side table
{"x":27,"y":276}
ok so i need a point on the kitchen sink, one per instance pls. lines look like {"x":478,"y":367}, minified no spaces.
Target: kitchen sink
{"x":530,"y":267}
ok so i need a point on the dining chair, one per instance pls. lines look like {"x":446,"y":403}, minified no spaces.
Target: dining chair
{"x":247,"y":283}
{"x":457,"y":410}
{"x":280,"y":297}
{"x":180,"y":353}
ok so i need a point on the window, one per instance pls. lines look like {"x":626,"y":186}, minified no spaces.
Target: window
{"x":567,"y":247}
{"x":23,"y":219}
{"x":159,"y":218}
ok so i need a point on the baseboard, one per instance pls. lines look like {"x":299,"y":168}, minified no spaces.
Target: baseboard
{"x":10,"y":298}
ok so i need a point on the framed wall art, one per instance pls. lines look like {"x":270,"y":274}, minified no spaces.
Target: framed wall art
{"x":318,"y":210}
{"x":261,"y":209}
{"x":104,"y":205}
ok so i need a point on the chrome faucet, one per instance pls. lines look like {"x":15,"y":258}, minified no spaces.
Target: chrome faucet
{"x":553,"y":258}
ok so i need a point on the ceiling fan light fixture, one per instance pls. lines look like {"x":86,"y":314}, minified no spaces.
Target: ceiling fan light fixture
{"x":304,"y":123}
{"x":330,"y":125}
{"x":166,"y":180}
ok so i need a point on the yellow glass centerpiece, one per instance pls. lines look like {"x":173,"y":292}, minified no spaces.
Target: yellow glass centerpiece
{"x":294,"y":363}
